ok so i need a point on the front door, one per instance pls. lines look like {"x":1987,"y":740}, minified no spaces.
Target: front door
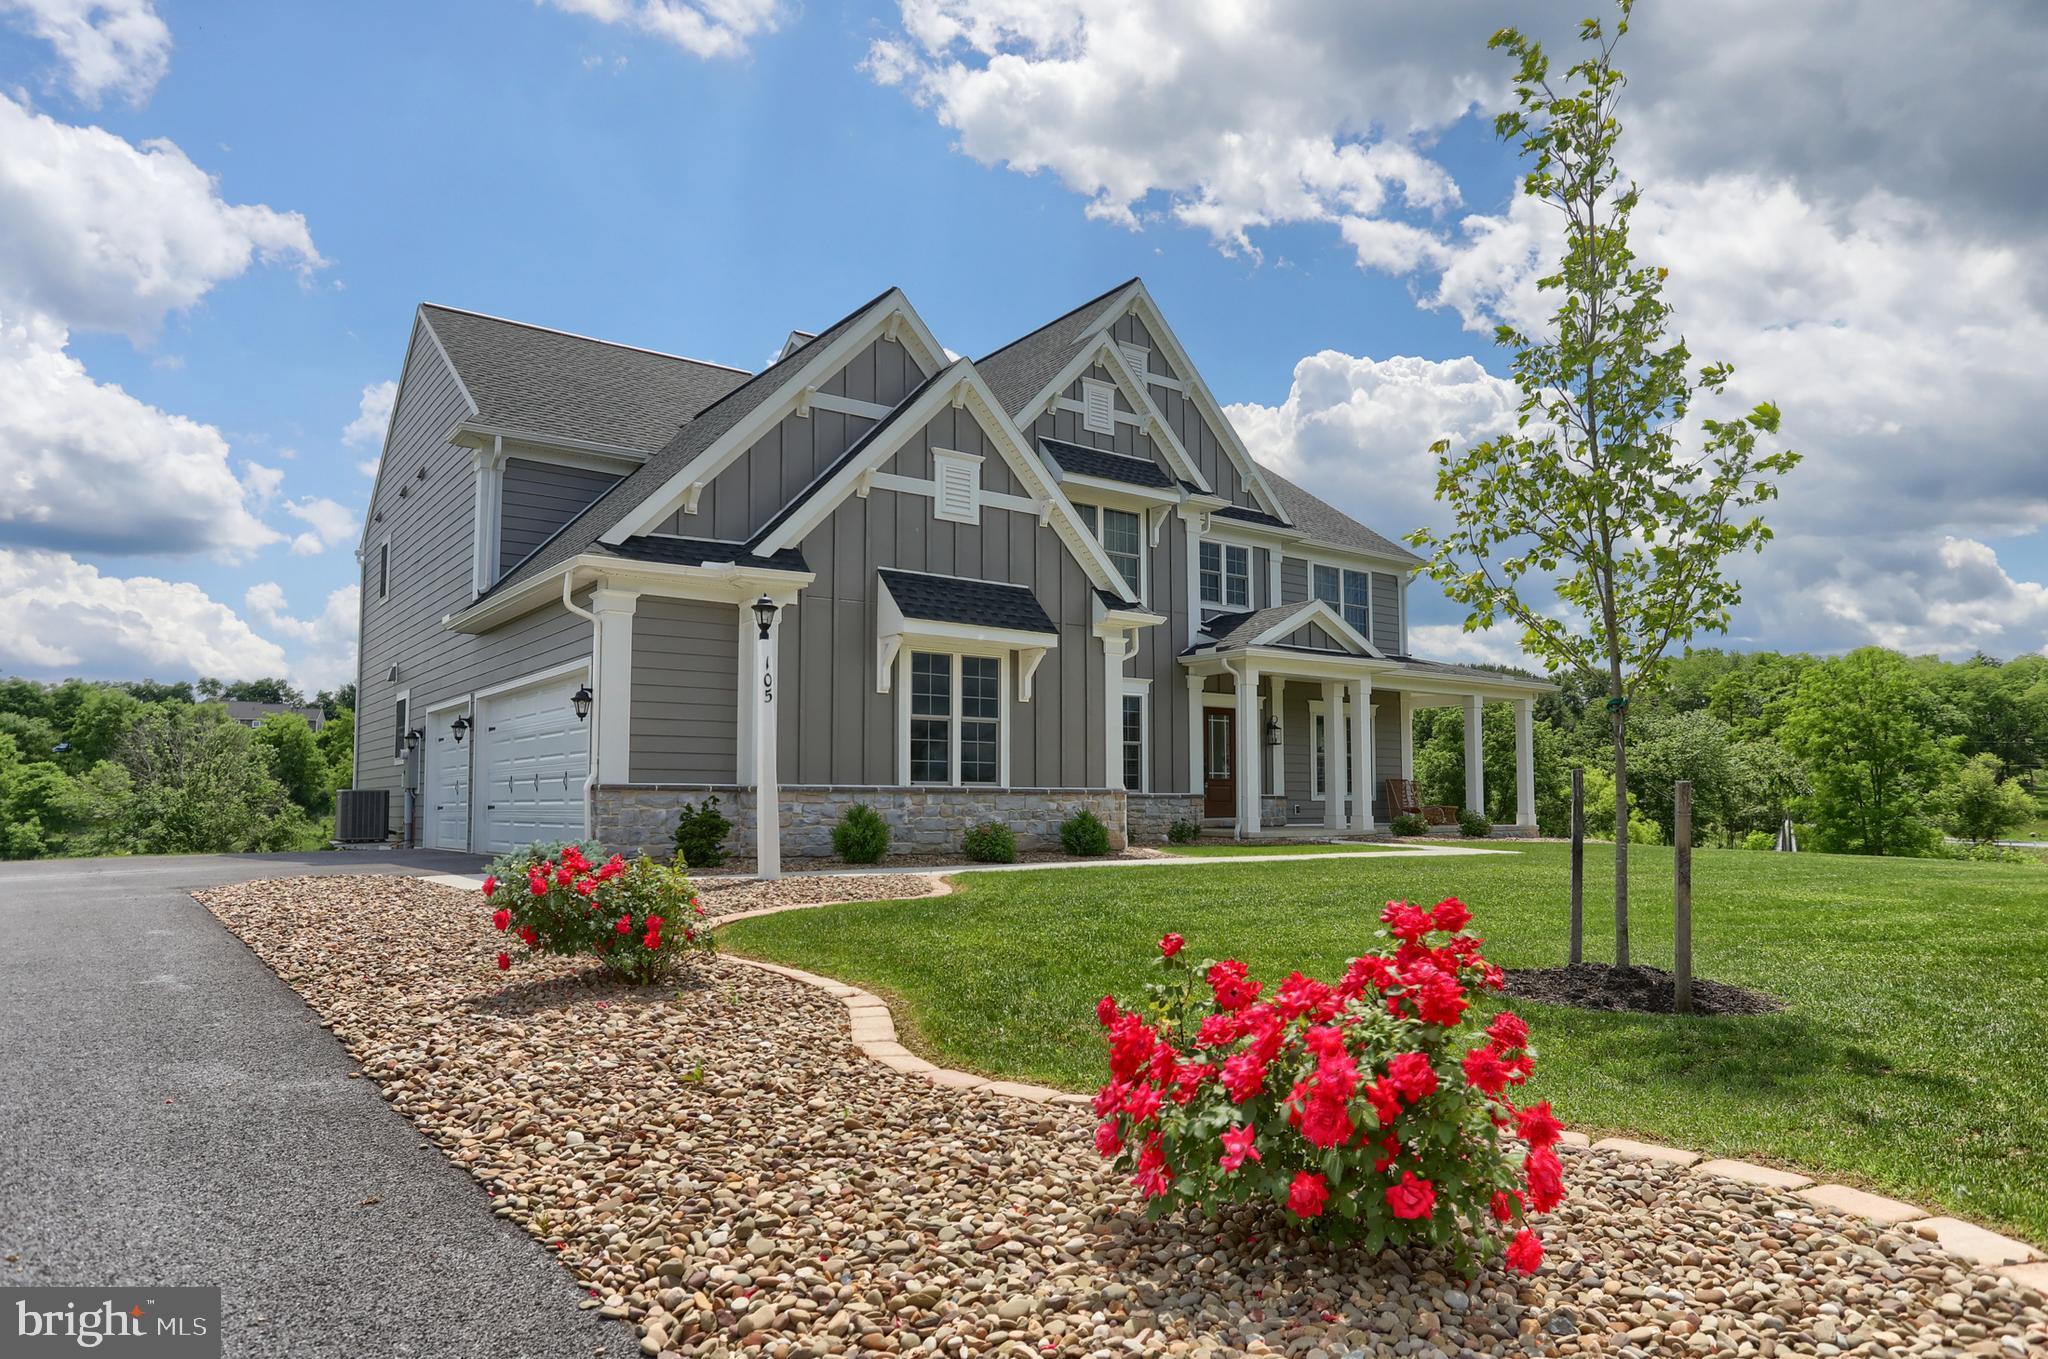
{"x":1219,"y":754}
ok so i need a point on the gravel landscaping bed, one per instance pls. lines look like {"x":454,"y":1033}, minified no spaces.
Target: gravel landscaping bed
{"x":730,"y":896}
{"x":722,"y":1169}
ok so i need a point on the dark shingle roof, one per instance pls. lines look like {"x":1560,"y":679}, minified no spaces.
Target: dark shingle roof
{"x":1247,"y":516}
{"x":1471,"y":672}
{"x":702,"y":552}
{"x":1093,"y":462}
{"x":1020,"y":369}
{"x":978,"y":603}
{"x":1325,"y":522}
{"x":1230,"y":629}
{"x":704,"y":430}
{"x":553,"y":384}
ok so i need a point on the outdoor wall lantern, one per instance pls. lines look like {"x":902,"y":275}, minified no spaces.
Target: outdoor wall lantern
{"x":1273,"y":731}
{"x":460,"y":726}
{"x":764,"y":614}
{"x":581,"y":698}
{"x":412,"y":741}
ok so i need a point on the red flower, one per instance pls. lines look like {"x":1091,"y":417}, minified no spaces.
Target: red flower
{"x":490,"y":886}
{"x":1411,"y":1198}
{"x":1537,"y":1127}
{"x":1171,"y":944}
{"x":1406,"y":921}
{"x":1546,"y":1179}
{"x":1300,"y":995}
{"x":1390,"y":1152}
{"x":1504,"y":1205}
{"x":1451,"y":915}
{"x":537,"y":882}
{"x":1142,"y":1103}
{"x":1307,"y":1195}
{"x":1243,"y":1077}
{"x":1218,"y":1030}
{"x":1371,"y":971}
{"x":566,"y":874}
{"x":587,"y":886}
{"x":653,"y":924}
{"x":1508,"y":1030}
{"x":1485,"y":1071}
{"x":502,"y":918}
{"x":1525,"y":1252}
{"x":1153,"y":1181}
{"x":1386,"y":1100}
{"x":1105,"y":1011}
{"x":1238,"y":1146}
{"x":1325,"y":1123}
{"x":613,"y":867}
{"x":1106,"y":1140}
{"x":504,"y":961}
{"x":1440,"y":1000}
{"x":625,"y":924}
{"x":1412,"y":1075}
{"x":650,"y":941}
{"x":1110,"y":1098}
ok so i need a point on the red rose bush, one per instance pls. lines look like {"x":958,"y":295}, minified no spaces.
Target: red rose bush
{"x":639,"y":919}
{"x":1376,"y":1109}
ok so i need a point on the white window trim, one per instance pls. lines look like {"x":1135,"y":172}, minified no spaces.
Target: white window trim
{"x":1140,"y":689}
{"x":1340,"y":568}
{"x":1089,"y":388}
{"x":1004,"y":726}
{"x":398,"y":742}
{"x":1223,"y":547}
{"x":384,"y":567}
{"x":946,"y":460}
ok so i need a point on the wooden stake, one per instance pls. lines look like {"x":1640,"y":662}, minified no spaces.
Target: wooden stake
{"x":1681,"y":980}
{"x":1578,"y":864}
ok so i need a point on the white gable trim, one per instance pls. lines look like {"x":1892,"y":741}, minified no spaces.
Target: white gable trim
{"x":1196,"y":390}
{"x":966,"y":387}
{"x":1150,"y":422}
{"x":891,"y":317}
{"x":1316,"y":611}
{"x":419,"y":325}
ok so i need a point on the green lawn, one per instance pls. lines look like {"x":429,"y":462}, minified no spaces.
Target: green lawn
{"x":1913,"y":1056}
{"x":1232,"y":850}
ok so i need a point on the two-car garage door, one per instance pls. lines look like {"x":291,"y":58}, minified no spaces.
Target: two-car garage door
{"x":531,"y":755}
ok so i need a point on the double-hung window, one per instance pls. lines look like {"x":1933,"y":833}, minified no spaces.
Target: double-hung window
{"x":1319,"y":724}
{"x":1349,"y":593}
{"x":956,"y":713}
{"x":1134,"y":742}
{"x":1123,"y":538}
{"x":1226,"y":575}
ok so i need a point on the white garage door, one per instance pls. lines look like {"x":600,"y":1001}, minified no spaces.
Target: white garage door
{"x":534,"y":755}
{"x":447,"y":783}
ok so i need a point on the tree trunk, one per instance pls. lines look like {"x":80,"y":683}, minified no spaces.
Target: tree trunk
{"x":1620,"y":719}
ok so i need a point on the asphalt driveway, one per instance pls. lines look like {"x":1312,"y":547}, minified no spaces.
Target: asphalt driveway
{"x":171,"y":1113}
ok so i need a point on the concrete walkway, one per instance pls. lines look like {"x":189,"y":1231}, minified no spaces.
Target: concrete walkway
{"x":174,"y":1114}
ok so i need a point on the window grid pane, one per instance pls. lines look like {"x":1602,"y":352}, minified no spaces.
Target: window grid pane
{"x":1355,"y":599}
{"x":929,"y":740}
{"x":979,"y":761}
{"x":980,"y":687}
{"x":1237,"y":577}
{"x":931,"y":684}
{"x":1212,"y":573}
{"x":1122,"y":540}
{"x":1328,"y":586}
{"x":1134,"y":741}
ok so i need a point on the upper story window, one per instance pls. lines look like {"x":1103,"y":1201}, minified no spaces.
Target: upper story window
{"x":1349,"y":593}
{"x":1098,"y":407}
{"x":1226,"y":575}
{"x":384,"y":568}
{"x":1122,"y":535}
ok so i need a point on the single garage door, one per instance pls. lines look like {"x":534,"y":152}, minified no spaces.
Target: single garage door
{"x":534,"y":757}
{"x":447,"y":783}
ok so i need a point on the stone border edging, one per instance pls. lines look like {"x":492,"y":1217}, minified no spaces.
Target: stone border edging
{"x":873,"y":1031}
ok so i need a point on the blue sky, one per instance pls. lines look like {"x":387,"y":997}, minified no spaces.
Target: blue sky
{"x":584,"y":171}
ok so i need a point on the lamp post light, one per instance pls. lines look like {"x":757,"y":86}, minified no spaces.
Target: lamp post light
{"x":767,"y":792}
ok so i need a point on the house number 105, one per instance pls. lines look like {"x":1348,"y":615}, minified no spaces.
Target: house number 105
{"x":767,"y":683}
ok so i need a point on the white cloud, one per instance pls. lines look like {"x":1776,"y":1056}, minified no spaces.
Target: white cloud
{"x":704,"y":28}
{"x":106,"y":46}
{"x":326,"y":652}
{"x":104,"y":235}
{"x":329,"y":524}
{"x":1450,"y":642}
{"x":261,"y":483}
{"x":84,"y":465}
{"x":373,"y":414}
{"x":65,"y":618}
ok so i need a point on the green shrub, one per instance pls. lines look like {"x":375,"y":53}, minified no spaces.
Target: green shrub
{"x":990,"y":843}
{"x":1084,"y":836}
{"x":700,"y":834}
{"x":861,"y":837}
{"x":1408,"y":823}
{"x":1760,"y":840}
{"x":1183,"y":831}
{"x":1474,"y":825}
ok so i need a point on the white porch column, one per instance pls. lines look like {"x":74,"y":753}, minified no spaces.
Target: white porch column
{"x":749,"y":697}
{"x":1336,"y":780}
{"x":1407,"y":739}
{"x":488,"y":466}
{"x":767,"y":782}
{"x":1525,"y":763}
{"x":1279,"y":753}
{"x":1361,"y":756}
{"x":1113,"y":649}
{"x":614,"y":610}
{"x":1475,"y":764}
{"x":1195,"y":783}
{"x":1248,"y":746}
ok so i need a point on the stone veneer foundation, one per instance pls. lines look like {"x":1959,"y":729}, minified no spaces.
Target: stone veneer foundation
{"x":641,"y":818}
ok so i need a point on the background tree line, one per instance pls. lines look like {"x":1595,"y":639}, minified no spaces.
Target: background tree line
{"x":143,"y":767}
{"x":1869,"y":753}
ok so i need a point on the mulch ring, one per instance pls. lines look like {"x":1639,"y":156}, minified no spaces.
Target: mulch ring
{"x":1646,"y":990}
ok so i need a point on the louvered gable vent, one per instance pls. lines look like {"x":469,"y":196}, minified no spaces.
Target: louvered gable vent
{"x":1098,"y":407}
{"x":958,"y":493}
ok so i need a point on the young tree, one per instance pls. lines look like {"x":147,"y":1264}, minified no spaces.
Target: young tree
{"x":1876,"y":767}
{"x":337,"y":741}
{"x":1979,"y":808}
{"x":1596,"y":492}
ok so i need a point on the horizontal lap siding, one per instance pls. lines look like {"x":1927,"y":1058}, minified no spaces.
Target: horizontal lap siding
{"x":1293,"y":580}
{"x":836,"y":728}
{"x":685,"y":691}
{"x":540,"y":498}
{"x":1386,"y":613}
{"x":432,"y":543}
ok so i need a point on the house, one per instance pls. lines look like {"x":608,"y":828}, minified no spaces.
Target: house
{"x":600,"y":581}
{"x":251,"y":714}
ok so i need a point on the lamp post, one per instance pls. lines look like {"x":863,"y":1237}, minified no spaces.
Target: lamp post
{"x":767,"y":793}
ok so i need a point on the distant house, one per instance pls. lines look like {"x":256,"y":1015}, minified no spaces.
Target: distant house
{"x":251,"y":714}
{"x":1000,"y":588}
